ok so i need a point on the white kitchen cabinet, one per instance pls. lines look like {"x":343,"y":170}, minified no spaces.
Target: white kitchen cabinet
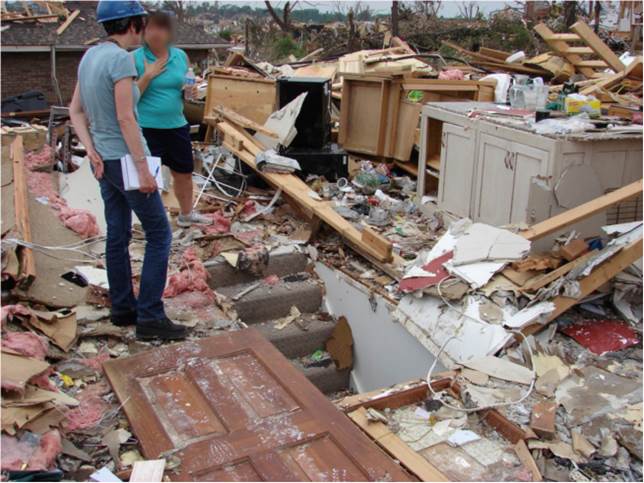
{"x":456,"y":168}
{"x":498,"y":171}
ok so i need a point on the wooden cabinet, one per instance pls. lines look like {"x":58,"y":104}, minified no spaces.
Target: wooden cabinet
{"x":498,"y":171}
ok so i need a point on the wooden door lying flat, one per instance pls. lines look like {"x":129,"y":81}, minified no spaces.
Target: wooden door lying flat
{"x":233,"y":408}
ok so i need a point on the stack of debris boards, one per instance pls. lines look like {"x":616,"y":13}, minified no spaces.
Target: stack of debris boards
{"x":44,"y":12}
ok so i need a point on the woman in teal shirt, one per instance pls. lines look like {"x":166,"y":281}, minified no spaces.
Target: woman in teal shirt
{"x":162,"y":70}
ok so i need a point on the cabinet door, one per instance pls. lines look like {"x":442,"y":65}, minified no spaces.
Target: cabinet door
{"x":456,"y":169}
{"x":493,"y":204}
{"x":527,"y":163}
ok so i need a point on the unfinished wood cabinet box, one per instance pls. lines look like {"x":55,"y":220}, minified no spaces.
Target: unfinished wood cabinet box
{"x":254,"y":99}
{"x":499,"y":173}
{"x":233,"y":408}
{"x":377,"y":118}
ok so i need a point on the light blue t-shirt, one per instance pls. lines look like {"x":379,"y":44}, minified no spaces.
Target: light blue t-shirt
{"x":161,"y":104}
{"x":100,"y":68}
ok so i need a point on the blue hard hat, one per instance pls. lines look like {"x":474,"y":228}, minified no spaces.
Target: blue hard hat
{"x":116,"y":9}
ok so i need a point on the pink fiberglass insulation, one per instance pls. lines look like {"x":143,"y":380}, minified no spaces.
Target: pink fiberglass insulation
{"x":192,"y":277}
{"x":220,"y":224}
{"x":43,"y":382}
{"x":9,"y":311}
{"x":96,"y":362}
{"x":41,"y":184}
{"x":26,"y":343}
{"x":31,"y":452}
{"x":451,"y":74}
{"x":90,"y":411}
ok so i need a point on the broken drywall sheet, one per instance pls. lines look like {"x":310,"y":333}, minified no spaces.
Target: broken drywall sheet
{"x":501,"y":369}
{"x":433,"y":324}
{"x":81,"y":191}
{"x":282,"y":123}
{"x":530,"y":315}
{"x":482,"y":242}
{"x":592,"y":392}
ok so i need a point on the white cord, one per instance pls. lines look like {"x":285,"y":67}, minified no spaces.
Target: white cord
{"x":432,"y":367}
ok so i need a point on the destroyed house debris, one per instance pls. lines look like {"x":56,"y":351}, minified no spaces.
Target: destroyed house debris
{"x":445,"y":248}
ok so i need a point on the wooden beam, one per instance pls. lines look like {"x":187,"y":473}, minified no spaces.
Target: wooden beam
{"x":397,"y":448}
{"x":67,"y":22}
{"x":246,"y":148}
{"x":538,"y":282}
{"x":238,"y":119}
{"x":582,"y":211}
{"x":597,"y":45}
{"x":587,"y":285}
{"x":560,"y":46}
{"x":21,"y":202}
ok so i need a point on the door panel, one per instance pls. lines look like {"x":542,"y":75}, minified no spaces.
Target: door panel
{"x":456,"y":169}
{"x":496,"y":181}
{"x":527,"y":163}
{"x":232,"y":408}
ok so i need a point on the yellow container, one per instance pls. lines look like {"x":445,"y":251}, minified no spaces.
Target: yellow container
{"x":576,"y":106}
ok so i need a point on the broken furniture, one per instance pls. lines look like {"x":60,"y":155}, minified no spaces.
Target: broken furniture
{"x":495,"y":169}
{"x":379,"y":114}
{"x":425,"y":453}
{"x":254,"y":99}
{"x":311,"y":146}
{"x":232,"y":407}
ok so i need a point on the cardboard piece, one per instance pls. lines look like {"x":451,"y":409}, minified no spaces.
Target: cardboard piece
{"x":340,"y":344}
{"x":17,"y":370}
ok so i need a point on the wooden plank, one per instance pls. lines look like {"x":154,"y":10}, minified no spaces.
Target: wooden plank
{"x":597,"y":45}
{"x":560,"y":46}
{"x":587,"y":285}
{"x":255,"y":99}
{"x":414,"y":462}
{"x":240,"y":121}
{"x":582,"y":211}
{"x":579,"y":50}
{"x":538,"y":282}
{"x":595,"y":64}
{"x":524,"y":455}
{"x":565,"y":36}
{"x":300,"y":192}
{"x":67,"y":22}
{"x":21,"y":204}
{"x":148,"y":470}
{"x":377,"y":243}
{"x":232,"y":406}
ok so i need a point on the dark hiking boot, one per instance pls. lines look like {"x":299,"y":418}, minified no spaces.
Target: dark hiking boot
{"x":163,"y":329}
{"x":125,"y":319}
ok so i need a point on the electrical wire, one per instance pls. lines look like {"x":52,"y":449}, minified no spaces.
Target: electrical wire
{"x":72,"y":247}
{"x":455,"y":336}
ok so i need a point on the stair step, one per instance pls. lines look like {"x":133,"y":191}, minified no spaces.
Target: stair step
{"x":280,"y":263}
{"x":273,"y":302}
{"x":294,"y":342}
{"x":327,"y":379}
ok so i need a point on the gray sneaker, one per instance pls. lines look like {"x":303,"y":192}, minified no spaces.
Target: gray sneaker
{"x":184,"y":221}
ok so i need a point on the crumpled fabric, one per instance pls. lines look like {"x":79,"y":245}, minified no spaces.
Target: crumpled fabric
{"x":26,"y":343}
{"x":41,"y":185}
{"x":192,"y":277}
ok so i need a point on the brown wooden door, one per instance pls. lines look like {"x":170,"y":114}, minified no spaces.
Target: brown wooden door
{"x":233,"y":408}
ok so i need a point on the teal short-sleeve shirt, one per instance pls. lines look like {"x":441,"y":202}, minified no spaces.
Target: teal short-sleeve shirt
{"x":161,"y":104}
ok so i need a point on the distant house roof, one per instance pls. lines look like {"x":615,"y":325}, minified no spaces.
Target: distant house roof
{"x":84,"y":31}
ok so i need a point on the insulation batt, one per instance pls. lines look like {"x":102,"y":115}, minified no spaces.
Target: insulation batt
{"x":220,"y":224}
{"x":192,"y":277}
{"x":90,"y":411}
{"x":43,"y":382}
{"x":9,"y":311}
{"x":26,"y":343}
{"x":41,"y":185}
{"x":37,"y":455}
{"x":451,"y":74}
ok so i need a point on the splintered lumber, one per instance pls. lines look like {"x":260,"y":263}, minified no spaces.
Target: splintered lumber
{"x":240,"y":120}
{"x":582,"y":211}
{"x":246,"y":148}
{"x":397,"y":448}
{"x":67,"y":22}
{"x":597,"y":45}
{"x":21,"y":202}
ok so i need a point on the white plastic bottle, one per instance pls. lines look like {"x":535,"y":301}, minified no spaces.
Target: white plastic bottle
{"x":188,"y":82}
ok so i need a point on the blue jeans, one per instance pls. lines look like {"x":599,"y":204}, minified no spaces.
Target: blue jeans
{"x":149,"y":208}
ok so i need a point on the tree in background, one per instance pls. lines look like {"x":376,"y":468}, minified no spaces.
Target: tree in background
{"x":283,"y":22}
{"x":429,"y":8}
{"x":469,"y":10}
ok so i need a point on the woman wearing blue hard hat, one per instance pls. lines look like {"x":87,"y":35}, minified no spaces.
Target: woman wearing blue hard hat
{"x":103,"y":112}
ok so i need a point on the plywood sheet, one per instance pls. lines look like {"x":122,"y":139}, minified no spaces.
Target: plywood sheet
{"x":252,"y":98}
{"x":233,"y":408}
